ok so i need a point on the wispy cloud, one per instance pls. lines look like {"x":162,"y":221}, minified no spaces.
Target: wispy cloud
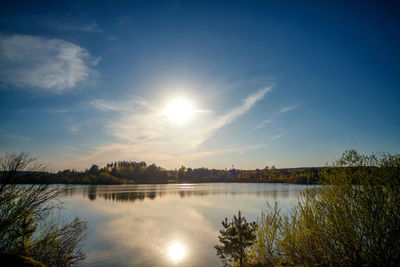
{"x":288,"y":108}
{"x":91,"y":27}
{"x":145,"y":133}
{"x":73,"y":148}
{"x":60,"y":111}
{"x":15,"y":137}
{"x":277,"y":136}
{"x":230,"y":150}
{"x":235,"y":113}
{"x":262,"y":124}
{"x":126,"y":105}
{"x":73,"y":129}
{"x":53,"y":65}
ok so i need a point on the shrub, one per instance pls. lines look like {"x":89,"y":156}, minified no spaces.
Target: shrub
{"x":26,"y":234}
{"x":352,"y":219}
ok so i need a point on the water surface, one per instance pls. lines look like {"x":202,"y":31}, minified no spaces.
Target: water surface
{"x":165,"y":224}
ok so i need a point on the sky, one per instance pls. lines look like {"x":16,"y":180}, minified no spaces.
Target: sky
{"x":283,"y":83}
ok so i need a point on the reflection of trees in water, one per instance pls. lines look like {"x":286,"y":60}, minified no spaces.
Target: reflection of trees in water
{"x":140,"y":193}
{"x":92,"y":192}
{"x":68,"y":191}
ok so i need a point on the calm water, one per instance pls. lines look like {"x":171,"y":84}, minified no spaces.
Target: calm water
{"x":165,"y":225}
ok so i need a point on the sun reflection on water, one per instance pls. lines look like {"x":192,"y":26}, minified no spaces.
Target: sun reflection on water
{"x":176,"y":252}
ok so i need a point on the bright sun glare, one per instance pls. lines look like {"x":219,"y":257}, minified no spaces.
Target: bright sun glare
{"x":176,"y":252}
{"x":179,"y":110}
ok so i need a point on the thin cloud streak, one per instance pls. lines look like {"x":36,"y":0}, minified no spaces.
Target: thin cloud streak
{"x":128,"y":105}
{"x":92,"y":27}
{"x":235,"y":113}
{"x":15,"y":137}
{"x":73,"y":129}
{"x":61,"y":111}
{"x":262,"y":124}
{"x":277,"y":136}
{"x":288,"y":108}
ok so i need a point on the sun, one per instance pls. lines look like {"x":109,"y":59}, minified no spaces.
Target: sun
{"x":176,"y":252}
{"x":179,"y":111}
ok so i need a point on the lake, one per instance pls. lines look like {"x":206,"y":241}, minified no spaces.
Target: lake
{"x":165,"y":224}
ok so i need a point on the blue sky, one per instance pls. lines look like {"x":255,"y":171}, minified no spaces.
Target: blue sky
{"x":270,"y":82}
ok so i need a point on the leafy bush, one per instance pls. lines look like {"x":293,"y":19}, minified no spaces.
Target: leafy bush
{"x":267,"y":250}
{"x":352,"y":219}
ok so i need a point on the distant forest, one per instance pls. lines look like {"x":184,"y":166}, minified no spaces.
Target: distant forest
{"x":129,"y":172}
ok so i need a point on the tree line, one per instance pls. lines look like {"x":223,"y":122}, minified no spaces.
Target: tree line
{"x":139,"y":172}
